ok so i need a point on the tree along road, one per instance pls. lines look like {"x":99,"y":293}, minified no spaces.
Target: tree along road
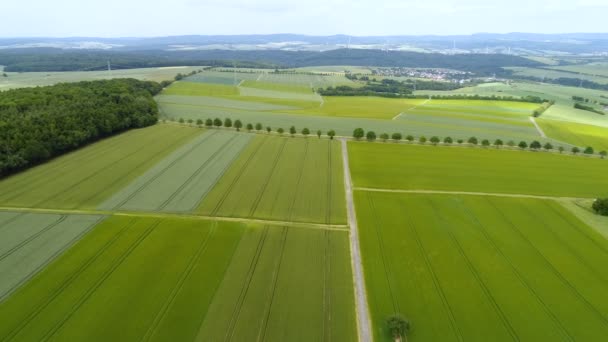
{"x":363,"y":319}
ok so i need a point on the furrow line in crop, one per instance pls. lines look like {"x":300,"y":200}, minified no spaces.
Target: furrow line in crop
{"x":329,"y":183}
{"x":32,"y":237}
{"x":438,"y":288}
{"x":516,"y":271}
{"x":558,"y":274}
{"x":295,"y":197}
{"x":260,"y":194}
{"x":275,"y":280}
{"x":100,"y":281}
{"x":236,"y":179}
{"x":68,"y":281}
{"x":161,"y":172}
{"x":327,"y":288}
{"x":11,"y":220}
{"x":180,"y":284}
{"x":473,"y":270}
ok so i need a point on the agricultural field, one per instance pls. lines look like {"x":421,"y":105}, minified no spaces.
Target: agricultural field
{"x":576,"y":133}
{"x":479,"y":268}
{"x":28,"y":242}
{"x":159,"y":279}
{"x":596,"y":68}
{"x":398,"y":166}
{"x":557,"y":72}
{"x":33,"y":79}
{"x":182,"y":179}
{"x":87,"y":177}
{"x":284,"y":179}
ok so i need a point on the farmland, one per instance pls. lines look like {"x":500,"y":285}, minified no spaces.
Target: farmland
{"x":28,"y":242}
{"x":576,"y":133}
{"x":393,"y":166}
{"x":180,"y":180}
{"x":166,"y":279}
{"x":285,"y":179}
{"x":531,"y":270}
{"x":87,"y":177}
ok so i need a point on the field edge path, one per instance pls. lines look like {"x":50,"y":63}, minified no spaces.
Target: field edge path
{"x":469,"y":193}
{"x":363,"y":318}
{"x":540,"y":130}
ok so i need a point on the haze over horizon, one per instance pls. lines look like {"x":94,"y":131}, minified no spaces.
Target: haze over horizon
{"x":139,"y":18}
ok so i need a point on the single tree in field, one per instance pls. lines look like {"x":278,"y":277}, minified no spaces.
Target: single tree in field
{"x":422,"y":139}
{"x":181,"y":120}
{"x":498,"y":143}
{"x":268,"y":129}
{"x":280,"y":130}
{"x":460,"y":141}
{"x":548,"y":146}
{"x":588,"y":150}
{"x":292,"y":130}
{"x":561,"y":149}
{"x":435,"y":140}
{"x":523,"y":145}
{"x":396,"y":136}
{"x":227,"y":122}
{"x":603,"y":154}
{"x":217,"y":122}
{"x":384,"y":137}
{"x":305,"y":132}
{"x":600,"y":206}
{"x":398,"y":327}
{"x":190,"y":121}
{"x":319,"y":133}
{"x":249,"y":127}
{"x":358,"y":133}
{"x":510,"y":143}
{"x":208,"y":122}
{"x":575,"y":150}
{"x":535,"y":145}
{"x":409,"y":138}
{"x":199,"y":122}
{"x":331,"y":134}
{"x":485,"y":143}
{"x":370,"y":136}
{"x":258,"y":126}
{"x":473,"y":141}
{"x":238,"y":124}
{"x":448,"y":140}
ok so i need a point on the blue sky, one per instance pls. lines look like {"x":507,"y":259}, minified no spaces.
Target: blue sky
{"x":120,"y":18}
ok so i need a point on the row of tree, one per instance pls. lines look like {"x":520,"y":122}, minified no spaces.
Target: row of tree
{"x":359,"y":134}
{"x":43,"y":122}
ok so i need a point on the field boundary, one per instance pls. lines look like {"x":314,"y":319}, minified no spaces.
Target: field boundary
{"x":363,"y":316}
{"x":540,"y":130}
{"x":468,"y":193}
{"x":294,"y":224}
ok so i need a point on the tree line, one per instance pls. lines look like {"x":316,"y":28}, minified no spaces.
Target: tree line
{"x":44,"y":122}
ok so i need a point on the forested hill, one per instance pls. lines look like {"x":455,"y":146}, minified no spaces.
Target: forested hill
{"x":23,"y":60}
{"x":40,"y":123}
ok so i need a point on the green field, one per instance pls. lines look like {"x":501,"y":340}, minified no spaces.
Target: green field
{"x":28,"y":242}
{"x":416,"y":167}
{"x":182,"y":179}
{"x":32,"y":79}
{"x":172,"y":279}
{"x":558,"y":72}
{"x":576,"y":134}
{"x":596,"y":68}
{"x":88,"y":176}
{"x":200,"y":89}
{"x":478,"y":268}
{"x":286,"y":179}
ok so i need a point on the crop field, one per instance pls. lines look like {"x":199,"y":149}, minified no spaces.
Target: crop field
{"x":558,"y":72}
{"x":182,"y":179}
{"x":200,"y":89}
{"x":288,"y":79}
{"x":32,"y":79}
{"x":175,"y":279}
{"x":361,"y":107}
{"x":478,"y":268}
{"x":285,"y":179}
{"x":417,"y":167}
{"x":597,"y":68}
{"x":88,"y":176}
{"x":576,"y":134}
{"x":28,"y":242}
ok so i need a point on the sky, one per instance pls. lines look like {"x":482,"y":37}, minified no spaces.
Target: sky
{"x":148,"y":18}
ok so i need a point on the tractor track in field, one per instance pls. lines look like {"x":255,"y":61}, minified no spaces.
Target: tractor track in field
{"x":363,"y":317}
{"x":32,"y":237}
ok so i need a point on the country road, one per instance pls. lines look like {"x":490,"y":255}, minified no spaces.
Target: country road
{"x":363,"y":319}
